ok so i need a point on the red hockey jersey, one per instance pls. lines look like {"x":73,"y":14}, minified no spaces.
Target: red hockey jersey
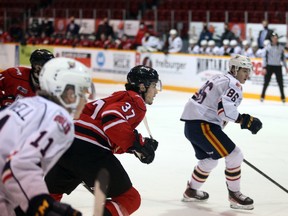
{"x":15,"y":83}
{"x":110,"y":122}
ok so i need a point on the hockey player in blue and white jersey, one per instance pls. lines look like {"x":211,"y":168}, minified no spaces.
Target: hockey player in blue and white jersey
{"x":34,"y":133}
{"x":205,"y":115}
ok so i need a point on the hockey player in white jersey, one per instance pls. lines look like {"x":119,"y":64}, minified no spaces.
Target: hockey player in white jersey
{"x":34,"y":133}
{"x":205,"y":115}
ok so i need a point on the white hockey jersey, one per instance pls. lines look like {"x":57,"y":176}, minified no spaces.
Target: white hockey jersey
{"x":175,"y":45}
{"x":216,"y":101}
{"x":34,"y":133}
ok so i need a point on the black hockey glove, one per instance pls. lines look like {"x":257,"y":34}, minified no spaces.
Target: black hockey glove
{"x":144,"y":148}
{"x":251,"y":123}
{"x":45,"y":205}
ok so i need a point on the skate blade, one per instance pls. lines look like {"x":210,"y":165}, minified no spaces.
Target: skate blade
{"x":242,"y":207}
{"x":189,"y":199}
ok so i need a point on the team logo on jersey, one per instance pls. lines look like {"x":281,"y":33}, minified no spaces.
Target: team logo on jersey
{"x":71,"y":65}
{"x":63,"y":124}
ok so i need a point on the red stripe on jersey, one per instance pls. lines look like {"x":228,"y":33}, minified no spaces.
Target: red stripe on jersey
{"x":6,"y":176}
{"x":220,"y":111}
{"x":233,"y":179}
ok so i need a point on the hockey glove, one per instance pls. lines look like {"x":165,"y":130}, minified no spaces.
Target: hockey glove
{"x":251,"y":123}
{"x":144,"y":148}
{"x":45,"y":205}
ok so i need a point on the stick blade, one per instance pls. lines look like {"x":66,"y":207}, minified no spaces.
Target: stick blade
{"x":100,"y":190}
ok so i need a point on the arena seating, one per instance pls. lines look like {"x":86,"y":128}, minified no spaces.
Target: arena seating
{"x":165,"y":10}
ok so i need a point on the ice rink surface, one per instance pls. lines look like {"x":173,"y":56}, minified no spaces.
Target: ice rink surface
{"x":162,"y":183}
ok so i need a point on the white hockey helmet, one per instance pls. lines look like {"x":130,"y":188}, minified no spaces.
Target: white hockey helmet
{"x":240,"y":61}
{"x":173,"y":32}
{"x":203,"y":43}
{"x":245,"y":43}
{"x":233,"y":43}
{"x":211,"y":43}
{"x":254,"y":44}
{"x":192,"y":41}
{"x":58,"y":73}
{"x":226,"y":42}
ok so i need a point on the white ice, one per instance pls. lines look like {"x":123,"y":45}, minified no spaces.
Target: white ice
{"x":162,"y":183}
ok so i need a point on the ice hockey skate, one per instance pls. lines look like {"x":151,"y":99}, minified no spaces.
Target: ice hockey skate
{"x":191,"y":195}
{"x":240,"y":201}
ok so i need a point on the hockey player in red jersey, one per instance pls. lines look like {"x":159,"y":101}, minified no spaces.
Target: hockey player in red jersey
{"x":107,"y":127}
{"x":34,"y":133}
{"x":205,"y":115}
{"x":19,"y":82}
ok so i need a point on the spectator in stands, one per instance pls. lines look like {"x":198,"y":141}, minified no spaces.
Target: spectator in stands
{"x":67,"y":40}
{"x":227,"y":34}
{"x":57,"y":39}
{"x":100,"y":43}
{"x":264,"y":34}
{"x":72,"y":28}
{"x":150,"y":43}
{"x":175,"y":42}
{"x":193,"y":46}
{"x":47,"y":27}
{"x":140,"y":34}
{"x":203,"y":46}
{"x":105,"y":28}
{"x":86,"y":40}
{"x":234,"y":48}
{"x":109,"y":43}
{"x":205,"y":34}
{"x":225,"y":49}
{"x":35,"y":28}
{"x":256,"y":52}
{"x":32,"y":40}
{"x":125,"y":43}
{"x":44,"y":39}
{"x":247,"y":50}
{"x":212,"y":49}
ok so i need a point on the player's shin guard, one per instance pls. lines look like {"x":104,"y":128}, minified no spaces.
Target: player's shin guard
{"x":125,"y":204}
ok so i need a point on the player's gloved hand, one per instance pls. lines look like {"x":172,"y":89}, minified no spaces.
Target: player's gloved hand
{"x":45,"y":205}
{"x":6,"y":101}
{"x":144,"y":148}
{"x":251,"y":123}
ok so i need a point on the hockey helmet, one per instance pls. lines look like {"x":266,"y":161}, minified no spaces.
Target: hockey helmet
{"x":274,"y":34}
{"x":255,"y":44}
{"x":192,"y":41}
{"x":143,"y":74}
{"x":226,"y":42}
{"x":60,"y":73}
{"x":203,"y":43}
{"x":245,"y":43}
{"x":240,"y":61}
{"x":211,"y":43}
{"x":173,"y":32}
{"x":40,"y":57}
{"x":233,"y":43}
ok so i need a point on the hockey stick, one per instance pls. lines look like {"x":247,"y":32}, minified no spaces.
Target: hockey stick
{"x":263,"y":174}
{"x":147,"y":127}
{"x":100,"y":190}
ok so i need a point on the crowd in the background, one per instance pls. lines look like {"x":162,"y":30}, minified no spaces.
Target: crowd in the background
{"x":146,"y":39}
